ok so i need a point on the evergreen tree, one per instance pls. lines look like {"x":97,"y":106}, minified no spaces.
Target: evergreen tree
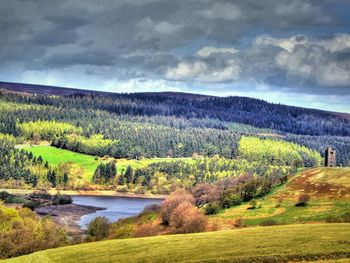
{"x":51,"y":177}
{"x":65,"y":178}
{"x":121,"y":179}
{"x":129,"y":174}
{"x":40,"y":159}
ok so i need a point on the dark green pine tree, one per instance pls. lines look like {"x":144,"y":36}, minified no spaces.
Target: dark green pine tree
{"x":121,"y":179}
{"x":129,"y":174}
{"x":97,"y":175}
{"x":51,"y":177}
{"x":65,"y":178}
{"x":40,"y":159}
{"x":113,"y":170}
{"x":35,"y":180}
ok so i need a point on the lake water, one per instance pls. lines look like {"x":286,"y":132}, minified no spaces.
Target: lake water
{"x":116,"y":207}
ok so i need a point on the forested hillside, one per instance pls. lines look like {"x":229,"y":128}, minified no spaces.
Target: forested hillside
{"x":168,"y":124}
{"x":230,"y":109}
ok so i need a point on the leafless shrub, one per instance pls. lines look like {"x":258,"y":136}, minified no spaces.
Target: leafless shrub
{"x":186,"y":218}
{"x":170,"y":204}
{"x":205,"y":193}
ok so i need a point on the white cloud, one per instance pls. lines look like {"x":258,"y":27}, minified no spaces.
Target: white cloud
{"x":295,"y":63}
{"x":285,"y":43}
{"x":149,"y":29}
{"x":140,"y":85}
{"x":225,"y":11}
{"x":333,"y":74}
{"x":312,"y":59}
{"x":337,"y":43}
{"x":202,"y":71}
{"x":207,"y":51}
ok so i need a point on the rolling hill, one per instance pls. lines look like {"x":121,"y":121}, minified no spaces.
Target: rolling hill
{"x":244,"y":110}
{"x":303,"y":236}
{"x":329,"y":191}
{"x":263,"y":244}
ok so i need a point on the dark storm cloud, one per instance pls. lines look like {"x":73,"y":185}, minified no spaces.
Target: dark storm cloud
{"x":67,"y":22}
{"x":54,"y":37}
{"x":88,"y":58}
{"x":294,"y":46}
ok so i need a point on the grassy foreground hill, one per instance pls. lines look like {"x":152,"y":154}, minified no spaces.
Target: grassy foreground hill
{"x":262,"y":244}
{"x":302,"y":234}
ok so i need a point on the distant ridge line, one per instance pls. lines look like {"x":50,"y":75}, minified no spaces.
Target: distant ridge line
{"x":66,"y":91}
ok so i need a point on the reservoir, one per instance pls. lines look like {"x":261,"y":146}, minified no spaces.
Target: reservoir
{"x":115,"y":207}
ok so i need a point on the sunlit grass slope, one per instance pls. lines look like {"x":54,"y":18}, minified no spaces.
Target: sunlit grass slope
{"x":329,"y":191}
{"x":83,"y":164}
{"x":271,"y":244}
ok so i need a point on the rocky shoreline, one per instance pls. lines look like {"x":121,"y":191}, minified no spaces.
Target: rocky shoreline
{"x":68,"y":215}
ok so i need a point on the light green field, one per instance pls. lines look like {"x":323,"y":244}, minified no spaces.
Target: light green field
{"x":262,"y":244}
{"x":85,"y":165}
{"x":329,"y":191}
{"x":82,"y":163}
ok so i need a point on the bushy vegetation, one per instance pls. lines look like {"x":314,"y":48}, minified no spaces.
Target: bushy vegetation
{"x":22,"y":232}
{"x":10,"y":198}
{"x":233,"y":191}
{"x":59,"y":199}
{"x":98,"y":229}
{"x":163,"y":177}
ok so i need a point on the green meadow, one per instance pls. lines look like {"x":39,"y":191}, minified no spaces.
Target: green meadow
{"x":84,"y":164}
{"x":260,"y":244}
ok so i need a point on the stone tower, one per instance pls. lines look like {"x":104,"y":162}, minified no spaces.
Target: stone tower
{"x":330,"y":159}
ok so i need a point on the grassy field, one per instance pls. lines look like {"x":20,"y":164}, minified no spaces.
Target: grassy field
{"x":329,"y":191}
{"x":81,"y":163}
{"x":261,"y":244}
{"x":85,"y":165}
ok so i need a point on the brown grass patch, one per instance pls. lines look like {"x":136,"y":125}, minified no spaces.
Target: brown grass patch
{"x":322,"y":182}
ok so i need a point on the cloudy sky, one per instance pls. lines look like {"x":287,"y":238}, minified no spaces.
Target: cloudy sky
{"x":292,"y":52}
